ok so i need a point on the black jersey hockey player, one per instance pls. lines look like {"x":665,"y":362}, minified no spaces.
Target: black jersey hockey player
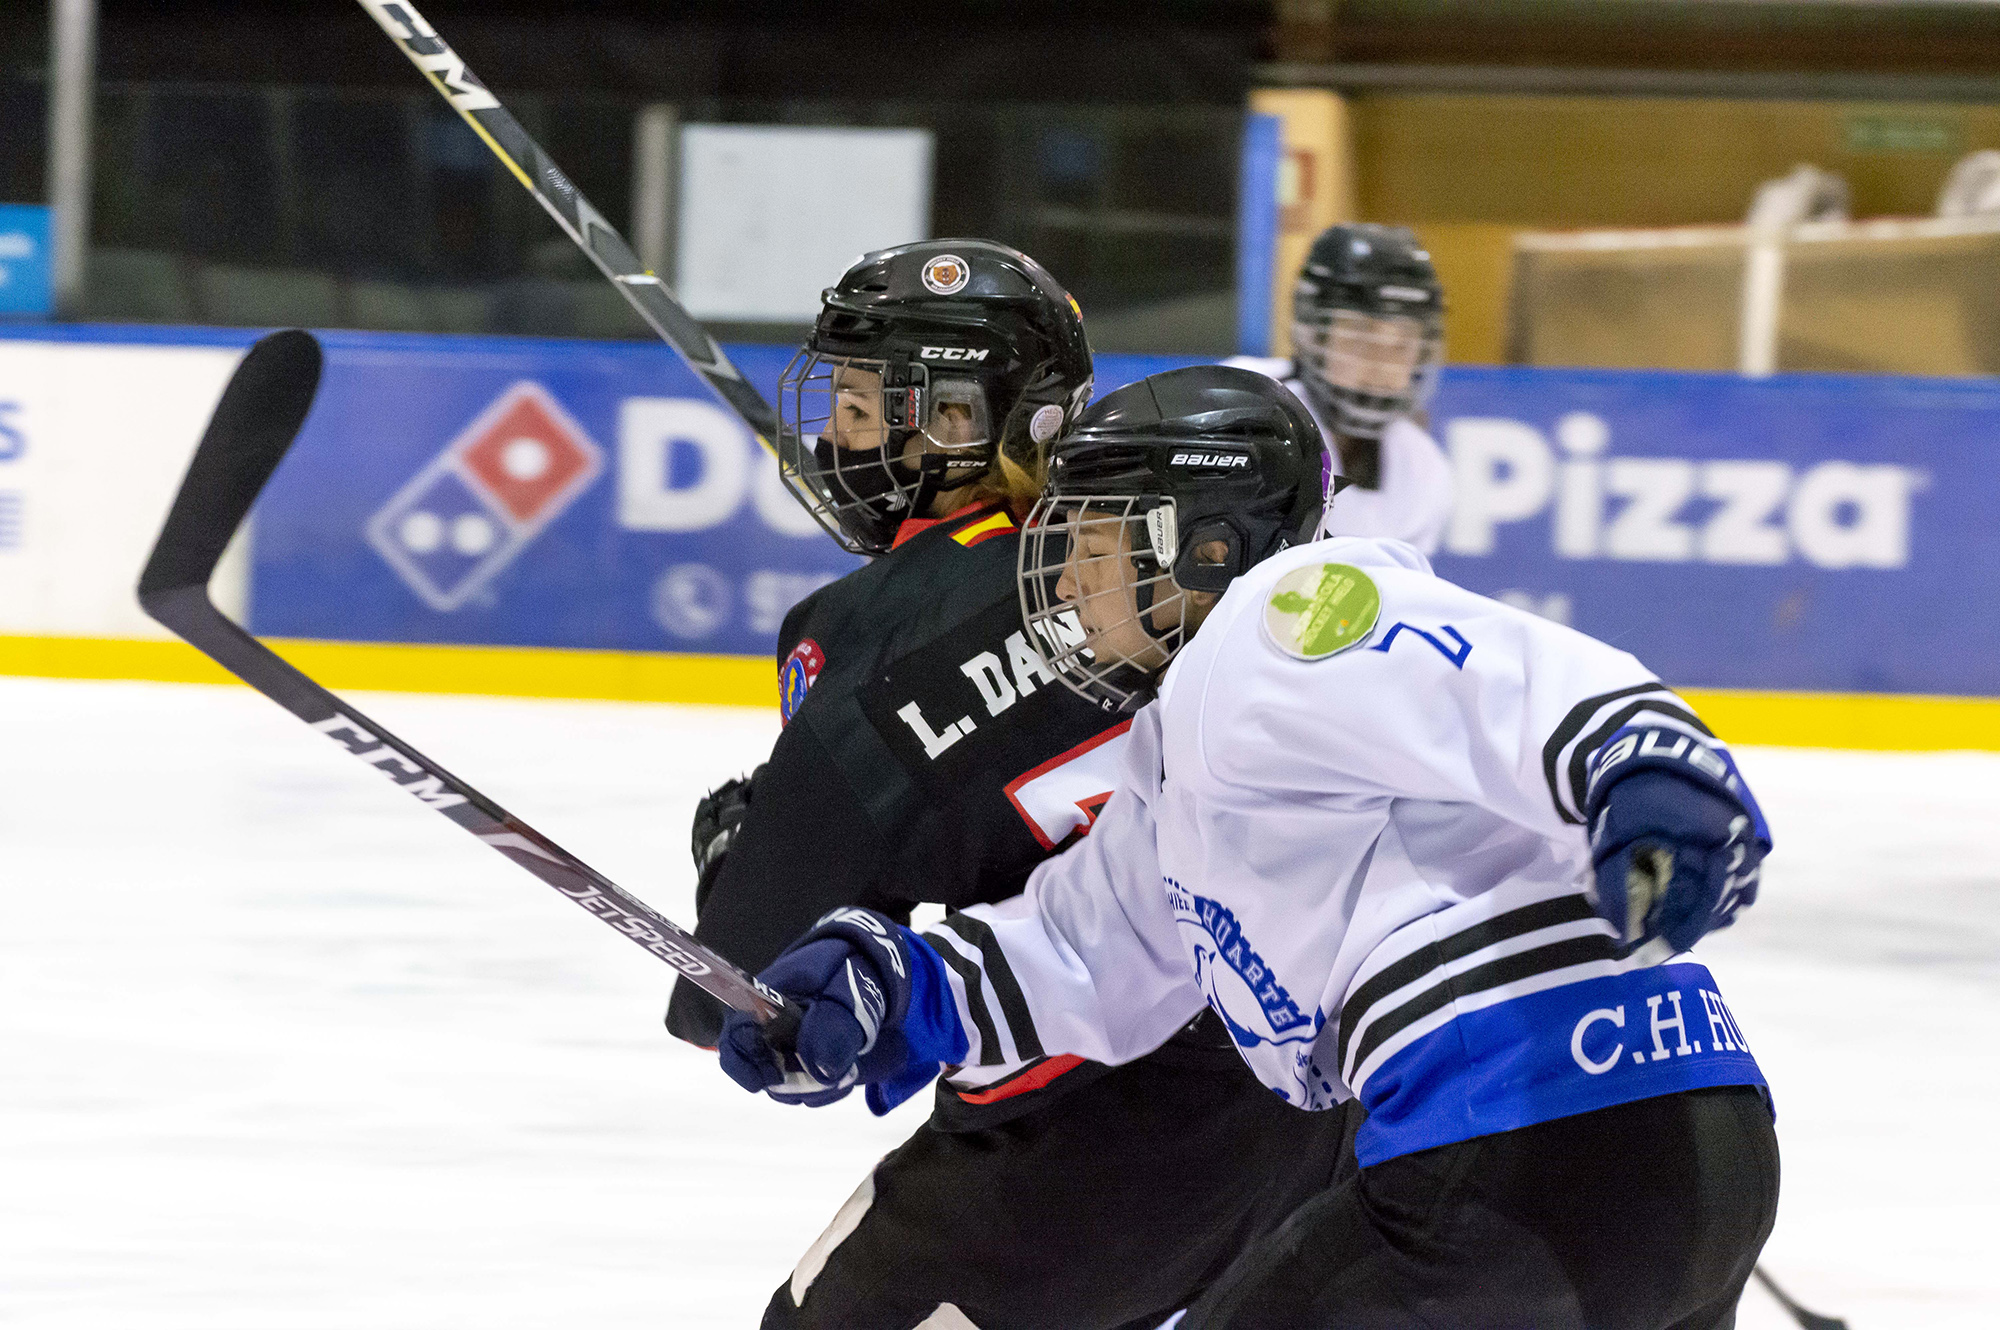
{"x":1414,"y":847}
{"x":929,"y":755}
{"x":1367,"y":342}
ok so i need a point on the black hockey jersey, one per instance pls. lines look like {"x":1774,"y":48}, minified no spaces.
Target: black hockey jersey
{"x":927,"y":756}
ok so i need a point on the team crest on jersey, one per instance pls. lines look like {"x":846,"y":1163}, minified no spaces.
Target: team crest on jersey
{"x":1321,"y":610}
{"x":795,"y":679}
{"x":947,"y":274}
{"x":1240,"y":986}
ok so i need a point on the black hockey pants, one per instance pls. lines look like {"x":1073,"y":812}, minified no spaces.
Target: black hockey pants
{"x":1646,"y":1216}
{"x":1109,"y":1208}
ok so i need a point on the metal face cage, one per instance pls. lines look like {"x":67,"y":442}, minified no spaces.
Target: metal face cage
{"x":1376,"y":366}
{"x":1100,"y":604}
{"x":864,"y":444}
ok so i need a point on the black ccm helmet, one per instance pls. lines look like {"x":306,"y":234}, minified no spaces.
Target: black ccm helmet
{"x":1367,"y":326}
{"x":927,"y":360}
{"x":1178,"y":483}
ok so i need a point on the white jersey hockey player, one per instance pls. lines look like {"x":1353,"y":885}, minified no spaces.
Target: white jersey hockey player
{"x":1414,"y":846}
{"x":1367,"y":339}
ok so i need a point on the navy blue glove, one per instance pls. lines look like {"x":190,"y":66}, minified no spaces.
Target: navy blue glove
{"x":878,"y":1012}
{"x":1676,"y":837}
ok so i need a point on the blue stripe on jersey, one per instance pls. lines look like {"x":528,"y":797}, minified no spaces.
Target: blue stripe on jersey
{"x":1553,"y":1054}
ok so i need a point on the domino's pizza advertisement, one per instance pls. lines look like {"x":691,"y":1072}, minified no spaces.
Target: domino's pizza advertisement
{"x":1810,"y":532}
{"x":530,"y":494}
{"x":537,"y":493}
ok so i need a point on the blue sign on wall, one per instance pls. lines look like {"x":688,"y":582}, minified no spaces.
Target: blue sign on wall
{"x":536,"y":493}
{"x":1257,"y":211}
{"x":1815,"y":532}
{"x":25,"y":266}
{"x":1818,"y":532}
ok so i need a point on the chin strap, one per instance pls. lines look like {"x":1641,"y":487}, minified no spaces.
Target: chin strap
{"x":936,"y":476}
{"x":1149,"y":570}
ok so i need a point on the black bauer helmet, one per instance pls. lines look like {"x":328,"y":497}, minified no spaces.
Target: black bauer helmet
{"x":1367,"y":326}
{"x":1167,"y":489}
{"x":927,"y":360}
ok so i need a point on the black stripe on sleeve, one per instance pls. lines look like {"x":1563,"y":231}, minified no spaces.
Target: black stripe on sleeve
{"x":1579,"y":758}
{"x":1493,"y":974}
{"x":1013,"y":1006}
{"x":1572,"y":725}
{"x":975,"y":999}
{"x":1409,"y":969}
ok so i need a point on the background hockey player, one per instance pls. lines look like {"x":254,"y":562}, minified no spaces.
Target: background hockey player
{"x":1413,"y":846}
{"x":1367,"y":343}
{"x":929,"y":755}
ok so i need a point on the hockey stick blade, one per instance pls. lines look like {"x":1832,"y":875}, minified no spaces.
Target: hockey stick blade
{"x":1809,"y":1320}
{"x":583,"y":224}
{"x":260,"y":413}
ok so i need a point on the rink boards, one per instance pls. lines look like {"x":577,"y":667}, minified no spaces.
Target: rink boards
{"x":1812,"y":555}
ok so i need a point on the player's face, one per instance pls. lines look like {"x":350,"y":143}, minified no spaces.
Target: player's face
{"x":1101,"y":580}
{"x":857,"y":423}
{"x":1373,"y":354}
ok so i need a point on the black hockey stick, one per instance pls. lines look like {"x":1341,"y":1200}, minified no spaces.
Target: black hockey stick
{"x":1809,"y":1320}
{"x":647,"y":294}
{"x":254,"y":424}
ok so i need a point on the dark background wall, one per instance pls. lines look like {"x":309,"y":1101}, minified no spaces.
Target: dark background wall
{"x":1881,"y":36}
{"x":259,"y":160}
{"x":1016,"y":50}
{"x":255,"y":156}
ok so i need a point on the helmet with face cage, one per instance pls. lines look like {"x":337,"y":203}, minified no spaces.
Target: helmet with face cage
{"x":1367,"y":326}
{"x":927,"y":361}
{"x":1176,"y":484}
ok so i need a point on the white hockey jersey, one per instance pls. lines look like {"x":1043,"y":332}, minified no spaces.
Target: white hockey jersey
{"x":1352,"y":824}
{"x":1414,"y":503}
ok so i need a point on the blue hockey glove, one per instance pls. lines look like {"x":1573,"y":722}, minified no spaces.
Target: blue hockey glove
{"x":1676,"y":837}
{"x":878,"y":1012}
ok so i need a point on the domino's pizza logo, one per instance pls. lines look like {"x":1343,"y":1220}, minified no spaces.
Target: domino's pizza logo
{"x":473,"y":509}
{"x":796,"y":677}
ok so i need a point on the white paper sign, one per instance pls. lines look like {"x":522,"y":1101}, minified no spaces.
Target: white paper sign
{"x":772,"y":215}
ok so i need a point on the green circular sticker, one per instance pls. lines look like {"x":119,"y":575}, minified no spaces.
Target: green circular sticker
{"x":1321,"y":609}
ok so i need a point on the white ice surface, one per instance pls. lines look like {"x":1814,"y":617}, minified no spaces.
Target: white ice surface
{"x":282,"y":1050}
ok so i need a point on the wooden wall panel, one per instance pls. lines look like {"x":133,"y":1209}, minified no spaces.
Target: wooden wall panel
{"x":1469,"y":169}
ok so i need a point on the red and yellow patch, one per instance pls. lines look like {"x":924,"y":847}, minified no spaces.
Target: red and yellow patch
{"x":994,"y":524}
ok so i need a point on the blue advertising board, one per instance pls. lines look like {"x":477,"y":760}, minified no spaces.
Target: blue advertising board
{"x":537,"y":493}
{"x":25,"y":265}
{"x":1810,"y":532}
{"x":1820,"y":533}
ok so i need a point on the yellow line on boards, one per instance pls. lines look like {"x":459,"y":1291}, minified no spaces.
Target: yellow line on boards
{"x":1787,"y":720}
{"x":625,"y":676}
{"x":1907,"y":722}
